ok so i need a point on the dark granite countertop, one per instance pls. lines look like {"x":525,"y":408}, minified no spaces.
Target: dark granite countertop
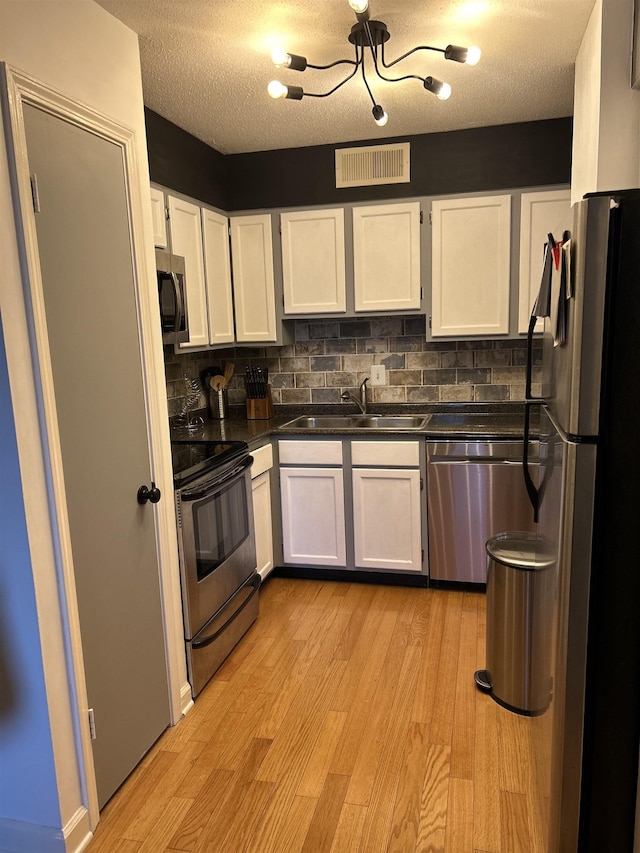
{"x":470,"y":420}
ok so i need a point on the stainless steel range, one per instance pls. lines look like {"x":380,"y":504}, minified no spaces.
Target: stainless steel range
{"x":217,"y":550}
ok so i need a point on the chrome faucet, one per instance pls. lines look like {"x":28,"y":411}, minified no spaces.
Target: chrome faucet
{"x":360,"y":403}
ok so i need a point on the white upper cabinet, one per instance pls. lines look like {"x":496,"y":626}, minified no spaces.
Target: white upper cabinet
{"x":186,"y":241}
{"x":313,"y":261}
{"x":386,"y":257}
{"x":215,"y":237}
{"x":253,"y":279}
{"x":159,"y":219}
{"x":541,"y":213}
{"x":471,"y":254}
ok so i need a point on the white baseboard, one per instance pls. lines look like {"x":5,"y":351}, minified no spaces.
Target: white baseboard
{"x":77,"y":832}
{"x":186,"y":699}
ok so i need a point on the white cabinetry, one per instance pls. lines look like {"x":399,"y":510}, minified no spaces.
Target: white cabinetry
{"x":313,"y":261}
{"x":159,"y":218}
{"x":471,"y":240}
{"x":186,"y":240}
{"x":541,"y":213}
{"x":253,"y":279}
{"x":261,"y":493}
{"x":386,"y":257}
{"x":312,"y":500}
{"x":217,"y":268}
{"x":387,"y":516}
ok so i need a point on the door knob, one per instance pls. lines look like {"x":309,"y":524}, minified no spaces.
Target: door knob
{"x":153,"y":494}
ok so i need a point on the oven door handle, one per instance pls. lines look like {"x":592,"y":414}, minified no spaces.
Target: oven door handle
{"x":205,"y":641}
{"x":214,"y":484}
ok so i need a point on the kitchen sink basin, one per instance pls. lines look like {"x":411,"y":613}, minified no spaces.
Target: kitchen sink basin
{"x":358,"y":422}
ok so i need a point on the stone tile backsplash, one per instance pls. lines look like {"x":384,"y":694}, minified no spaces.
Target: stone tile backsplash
{"x":330,"y":356}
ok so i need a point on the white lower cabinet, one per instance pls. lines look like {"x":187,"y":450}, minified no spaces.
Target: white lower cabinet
{"x":313,"y":531}
{"x":357,"y":510}
{"x":262,"y":520}
{"x":387,"y":519}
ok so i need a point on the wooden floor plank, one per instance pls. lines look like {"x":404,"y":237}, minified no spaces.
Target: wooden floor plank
{"x":459,"y":832}
{"x":406,"y":814}
{"x":349,"y":830}
{"x":514,"y":824}
{"x":327,"y":814}
{"x":463,"y":733}
{"x":435,"y":799}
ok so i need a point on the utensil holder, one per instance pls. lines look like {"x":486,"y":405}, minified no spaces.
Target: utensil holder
{"x":260,"y":408}
{"x":218,"y":404}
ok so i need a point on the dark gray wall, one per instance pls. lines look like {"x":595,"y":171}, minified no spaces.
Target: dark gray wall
{"x":527,"y":154}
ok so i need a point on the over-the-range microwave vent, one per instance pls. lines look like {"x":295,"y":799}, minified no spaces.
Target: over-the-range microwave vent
{"x":373,"y":164}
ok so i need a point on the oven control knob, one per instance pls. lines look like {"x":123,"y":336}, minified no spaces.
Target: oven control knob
{"x":153,"y":494}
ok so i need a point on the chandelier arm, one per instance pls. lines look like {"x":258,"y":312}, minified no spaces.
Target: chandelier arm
{"x":335,"y":88}
{"x":408,"y":53}
{"x":332,"y":65}
{"x":364,"y":80}
{"x":374,"y":56}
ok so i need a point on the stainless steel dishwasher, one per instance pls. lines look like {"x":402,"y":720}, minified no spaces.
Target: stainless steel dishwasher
{"x":475,"y":490}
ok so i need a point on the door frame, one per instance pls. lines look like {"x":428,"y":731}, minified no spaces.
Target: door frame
{"x":20,"y":88}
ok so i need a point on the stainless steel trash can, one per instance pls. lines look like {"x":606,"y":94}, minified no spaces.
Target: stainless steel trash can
{"x":520,"y":600}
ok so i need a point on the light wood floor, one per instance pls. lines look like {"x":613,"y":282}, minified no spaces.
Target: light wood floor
{"x":346,"y":720}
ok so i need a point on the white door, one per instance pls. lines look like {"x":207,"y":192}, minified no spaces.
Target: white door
{"x":84,"y":245}
{"x":159,"y":218}
{"x":253,"y":281}
{"x":386,"y":519}
{"x":261,"y":493}
{"x":471,"y":240}
{"x":313,"y":262}
{"x":313,"y":531}
{"x":386,"y":257}
{"x":186,"y":241}
{"x":217,"y":268}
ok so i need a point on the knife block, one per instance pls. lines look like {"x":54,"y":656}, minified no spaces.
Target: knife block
{"x":260,"y":408}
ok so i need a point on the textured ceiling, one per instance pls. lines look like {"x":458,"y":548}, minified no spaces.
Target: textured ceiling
{"x":206,"y":65}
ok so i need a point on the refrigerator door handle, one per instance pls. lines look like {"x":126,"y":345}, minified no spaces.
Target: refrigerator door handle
{"x":532,"y":491}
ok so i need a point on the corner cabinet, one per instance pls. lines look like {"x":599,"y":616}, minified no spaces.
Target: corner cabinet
{"x":262,"y":519}
{"x":186,"y":240}
{"x":313,"y":261}
{"x":159,"y":219}
{"x":386,"y":257}
{"x":253,"y":279}
{"x":540,"y":213}
{"x":471,"y":256}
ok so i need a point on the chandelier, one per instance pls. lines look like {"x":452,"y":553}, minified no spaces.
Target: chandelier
{"x":371,"y":35}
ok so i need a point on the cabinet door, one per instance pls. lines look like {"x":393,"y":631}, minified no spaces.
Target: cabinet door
{"x":471,"y":266}
{"x":253,"y":281}
{"x":313,"y":263}
{"x":386,"y":519}
{"x":159,"y":219}
{"x":215,"y":238}
{"x":540,"y":213}
{"x":261,"y":491}
{"x":313,"y":530}
{"x":386,"y":257}
{"x":186,"y":240}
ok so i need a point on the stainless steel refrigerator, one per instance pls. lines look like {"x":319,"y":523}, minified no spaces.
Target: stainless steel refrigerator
{"x":587,"y":496}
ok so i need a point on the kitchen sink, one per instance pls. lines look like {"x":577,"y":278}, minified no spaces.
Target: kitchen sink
{"x":358,"y":422}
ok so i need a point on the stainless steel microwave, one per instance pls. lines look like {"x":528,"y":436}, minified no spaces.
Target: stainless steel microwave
{"x":172,"y":293}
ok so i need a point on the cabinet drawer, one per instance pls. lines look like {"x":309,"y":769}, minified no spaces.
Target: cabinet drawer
{"x":310,"y":452}
{"x":405,"y":453}
{"x":262,"y":460}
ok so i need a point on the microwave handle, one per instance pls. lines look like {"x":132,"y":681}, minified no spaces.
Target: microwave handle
{"x":179,"y":301}
{"x":177,"y":291}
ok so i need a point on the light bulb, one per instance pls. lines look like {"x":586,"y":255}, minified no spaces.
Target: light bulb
{"x":276,"y":89}
{"x":359,"y":6}
{"x":473,"y":55}
{"x":280,"y":57}
{"x":440,"y":89}
{"x":379,"y":115}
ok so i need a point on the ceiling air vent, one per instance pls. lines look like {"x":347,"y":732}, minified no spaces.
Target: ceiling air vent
{"x":375,"y":164}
